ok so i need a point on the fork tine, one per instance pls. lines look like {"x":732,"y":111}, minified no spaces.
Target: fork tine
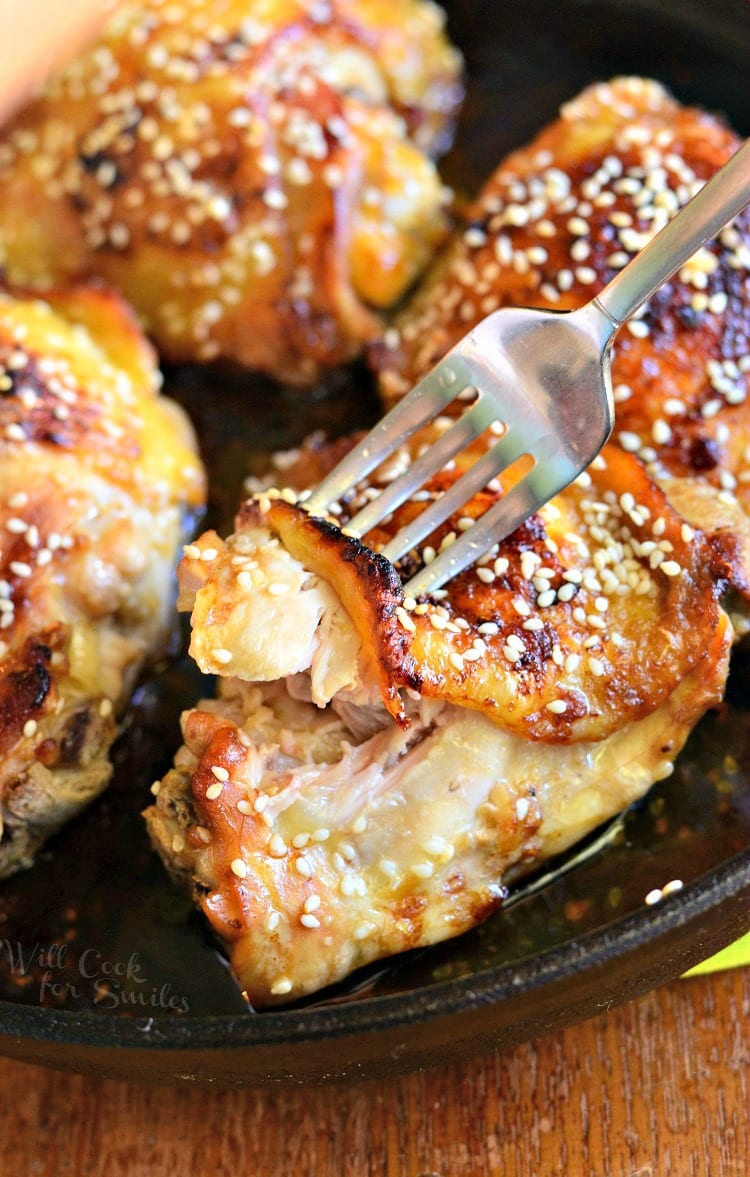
{"x":512,"y":445}
{"x":528,"y":495}
{"x":436,"y":390}
{"x":470,"y":425}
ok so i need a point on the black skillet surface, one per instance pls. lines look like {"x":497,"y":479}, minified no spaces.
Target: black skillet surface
{"x":104,"y":969}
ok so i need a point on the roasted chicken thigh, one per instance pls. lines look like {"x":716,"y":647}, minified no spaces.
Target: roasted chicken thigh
{"x":255,"y":176}
{"x":552,"y":225}
{"x":375,"y":769}
{"x":98,"y":477}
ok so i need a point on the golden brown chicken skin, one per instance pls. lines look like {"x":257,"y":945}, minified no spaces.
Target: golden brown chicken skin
{"x":255,"y":176}
{"x":376,"y":769}
{"x":97,"y":476}
{"x":556,"y":221}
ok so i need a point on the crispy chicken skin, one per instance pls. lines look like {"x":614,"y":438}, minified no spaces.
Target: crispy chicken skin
{"x":537,"y":696}
{"x":97,"y":475}
{"x":552,"y":225}
{"x":255,"y":177}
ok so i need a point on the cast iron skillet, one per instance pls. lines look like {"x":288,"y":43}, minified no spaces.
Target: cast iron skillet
{"x":104,"y":969}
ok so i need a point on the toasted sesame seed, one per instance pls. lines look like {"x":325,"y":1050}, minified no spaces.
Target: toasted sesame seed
{"x":557,"y":706}
{"x":277,"y":847}
{"x":178,"y":843}
{"x":423,"y":870}
{"x":362,"y":931}
{"x":405,"y":620}
{"x":533,"y":624}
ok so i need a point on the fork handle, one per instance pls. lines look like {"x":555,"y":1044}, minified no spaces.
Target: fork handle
{"x":721,"y":199}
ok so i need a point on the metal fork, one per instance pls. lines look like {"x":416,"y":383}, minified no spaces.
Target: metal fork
{"x":545,"y":376}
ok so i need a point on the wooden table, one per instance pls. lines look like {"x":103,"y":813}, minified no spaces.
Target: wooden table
{"x":659,"y":1088}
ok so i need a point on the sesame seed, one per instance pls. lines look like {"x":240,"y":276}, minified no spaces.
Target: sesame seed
{"x":557,"y":706}
{"x":272,"y":921}
{"x":671,"y":568}
{"x":362,"y":931}
{"x":661,"y":432}
{"x":156,"y":788}
{"x":423,"y":870}
{"x":405,"y":620}
{"x":309,"y":921}
{"x":533,"y":624}
{"x":281,"y":986}
{"x":222,"y":656}
{"x":277,"y":847}
{"x":653,"y":897}
{"x":238,"y":868}
{"x":244,"y":806}
{"x":219,"y":772}
{"x":489,"y":628}
{"x":30,"y":728}
{"x":178,"y":843}
{"x":214,"y":791}
{"x":630,"y":442}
